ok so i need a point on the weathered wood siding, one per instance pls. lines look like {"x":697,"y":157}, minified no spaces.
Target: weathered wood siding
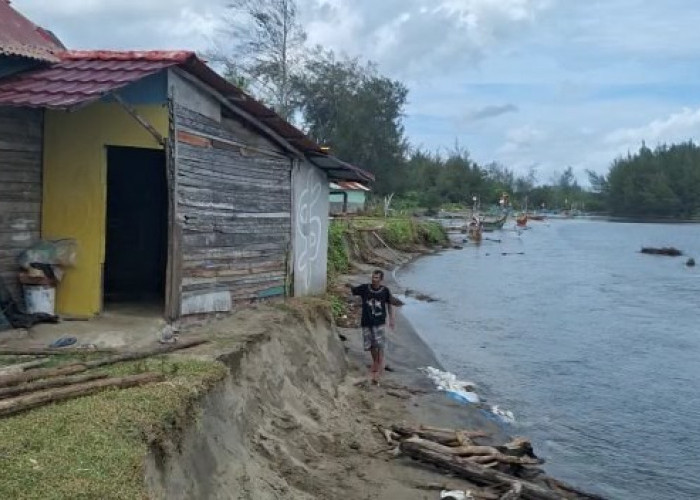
{"x":20,"y":186}
{"x":234,"y":209}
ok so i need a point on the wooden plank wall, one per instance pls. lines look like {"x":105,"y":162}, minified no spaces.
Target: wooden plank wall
{"x":234,"y":207}
{"x":21,"y":138}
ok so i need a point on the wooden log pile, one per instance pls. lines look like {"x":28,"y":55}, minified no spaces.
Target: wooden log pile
{"x":25,"y":386}
{"x":509,"y":471}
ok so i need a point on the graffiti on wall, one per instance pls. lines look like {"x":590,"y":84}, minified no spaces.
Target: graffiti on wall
{"x":309,"y":228}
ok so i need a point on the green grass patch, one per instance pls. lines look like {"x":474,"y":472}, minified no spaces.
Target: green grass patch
{"x":398,"y":232}
{"x":94,"y":447}
{"x":404,"y":233}
{"x":338,"y":258}
{"x":337,"y":305}
{"x":431,"y":233}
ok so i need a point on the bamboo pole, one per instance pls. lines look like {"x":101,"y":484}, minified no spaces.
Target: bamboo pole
{"x":73,"y":369}
{"x":10,"y":392}
{"x":48,"y":351}
{"x":21,"y":367}
{"x":20,"y":404}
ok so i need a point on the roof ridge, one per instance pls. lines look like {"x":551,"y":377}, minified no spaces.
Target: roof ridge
{"x":177,"y":56}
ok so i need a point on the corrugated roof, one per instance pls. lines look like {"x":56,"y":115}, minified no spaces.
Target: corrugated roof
{"x":353,"y":186}
{"x":21,"y":37}
{"x":81,"y":77}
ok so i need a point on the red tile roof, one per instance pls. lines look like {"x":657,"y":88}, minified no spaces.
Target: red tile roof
{"x":21,"y":37}
{"x":84,"y":76}
{"x":81,"y":77}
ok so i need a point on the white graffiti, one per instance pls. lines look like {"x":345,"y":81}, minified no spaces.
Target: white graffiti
{"x":309,"y":228}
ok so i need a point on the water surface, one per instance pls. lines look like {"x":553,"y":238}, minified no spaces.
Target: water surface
{"x":594,"y":346}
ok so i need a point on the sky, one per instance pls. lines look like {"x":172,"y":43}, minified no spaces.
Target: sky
{"x":541,"y":84}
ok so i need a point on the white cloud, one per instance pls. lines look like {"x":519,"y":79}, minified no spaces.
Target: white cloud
{"x":589,"y":80}
{"x":410,"y":37}
{"x":677,"y":127}
{"x":128,"y":24}
{"x":522,"y":138}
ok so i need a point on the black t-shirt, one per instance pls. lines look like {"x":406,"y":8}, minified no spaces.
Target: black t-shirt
{"x":374,"y":304}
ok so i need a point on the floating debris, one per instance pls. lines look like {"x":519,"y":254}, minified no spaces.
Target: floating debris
{"x":669,"y":251}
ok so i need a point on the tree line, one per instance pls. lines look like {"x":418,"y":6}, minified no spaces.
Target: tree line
{"x":664,"y":182}
{"x":347,"y":105}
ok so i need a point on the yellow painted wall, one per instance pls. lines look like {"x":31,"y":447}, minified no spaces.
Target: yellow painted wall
{"x":75,"y":175}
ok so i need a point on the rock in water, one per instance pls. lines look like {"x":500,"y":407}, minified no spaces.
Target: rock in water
{"x":690,"y":262}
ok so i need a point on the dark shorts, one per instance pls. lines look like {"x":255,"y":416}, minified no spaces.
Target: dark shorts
{"x":374,"y":337}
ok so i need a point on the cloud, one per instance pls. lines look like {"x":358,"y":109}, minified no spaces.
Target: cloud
{"x":490,"y":112}
{"x":677,"y":127}
{"x":409,"y":37}
{"x":570,"y":82}
{"x":128,"y":24}
{"x":524,"y":137}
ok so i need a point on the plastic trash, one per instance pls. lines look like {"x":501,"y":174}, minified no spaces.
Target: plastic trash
{"x":168,"y":335}
{"x":55,"y":253}
{"x":456,"y":495}
{"x":63,"y":342}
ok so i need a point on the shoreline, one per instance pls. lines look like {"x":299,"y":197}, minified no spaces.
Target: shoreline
{"x":407,"y":353}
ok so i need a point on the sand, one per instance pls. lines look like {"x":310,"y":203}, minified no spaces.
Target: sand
{"x":291,"y":421}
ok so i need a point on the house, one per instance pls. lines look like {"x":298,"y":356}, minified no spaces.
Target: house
{"x":23,"y":45}
{"x":179,"y":188}
{"x":348,"y":197}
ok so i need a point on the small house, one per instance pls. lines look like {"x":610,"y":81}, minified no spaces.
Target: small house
{"x":179,"y":188}
{"x":348,"y":197}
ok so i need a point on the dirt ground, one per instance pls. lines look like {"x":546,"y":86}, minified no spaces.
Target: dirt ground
{"x":295,"y":419}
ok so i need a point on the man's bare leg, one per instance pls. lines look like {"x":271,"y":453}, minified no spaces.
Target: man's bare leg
{"x":375,"y":365}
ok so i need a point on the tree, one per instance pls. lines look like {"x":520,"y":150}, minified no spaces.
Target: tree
{"x":356,"y":112}
{"x":660,"y":183}
{"x":598,"y":182}
{"x":263,"y":45}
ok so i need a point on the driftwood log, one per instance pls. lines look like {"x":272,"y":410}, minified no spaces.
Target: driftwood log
{"x":20,"y":367}
{"x":670,"y":251}
{"x":486,"y":454}
{"x":10,"y":392}
{"x":475,"y":473}
{"x":447,"y":437}
{"x":73,"y":369}
{"x":514,"y":493}
{"x":567,"y":489}
{"x":43,"y":351}
{"x":20,"y":404}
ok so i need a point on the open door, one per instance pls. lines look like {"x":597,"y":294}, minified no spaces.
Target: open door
{"x":137,"y":226}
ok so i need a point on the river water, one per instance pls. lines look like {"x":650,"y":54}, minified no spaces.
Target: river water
{"x":593,"y":346}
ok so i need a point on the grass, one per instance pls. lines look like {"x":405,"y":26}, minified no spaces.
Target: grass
{"x":405,"y":233}
{"x":94,"y":447}
{"x":337,"y":305}
{"x":338,"y":258}
{"x":432,"y":233}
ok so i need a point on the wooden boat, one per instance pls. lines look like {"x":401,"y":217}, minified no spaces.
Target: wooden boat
{"x":475,"y":230}
{"x":536,"y":217}
{"x":475,"y":234}
{"x":492,"y":225}
{"x":521,"y":220}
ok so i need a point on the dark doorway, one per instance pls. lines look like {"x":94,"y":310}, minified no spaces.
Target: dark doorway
{"x":137,"y":226}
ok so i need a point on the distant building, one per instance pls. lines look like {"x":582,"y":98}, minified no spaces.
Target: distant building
{"x":348,"y":197}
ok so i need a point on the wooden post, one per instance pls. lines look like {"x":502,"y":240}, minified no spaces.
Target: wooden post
{"x":172,"y":275}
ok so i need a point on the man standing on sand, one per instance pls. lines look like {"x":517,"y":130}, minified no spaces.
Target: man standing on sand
{"x":376,"y":306}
